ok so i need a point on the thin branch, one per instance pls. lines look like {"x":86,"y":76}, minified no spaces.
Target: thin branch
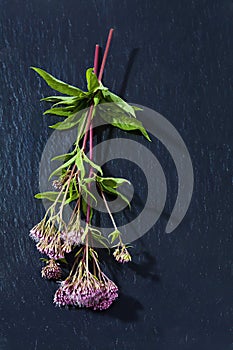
{"x":105,"y":54}
{"x":108,"y":209}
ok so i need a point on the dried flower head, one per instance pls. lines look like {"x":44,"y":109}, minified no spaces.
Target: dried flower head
{"x":122,"y":255}
{"x":107,"y":294}
{"x":72,"y":236}
{"x":51,"y":246}
{"x":37,"y":232}
{"x":57,"y":184}
{"x":51,"y":271}
{"x":86,"y":290}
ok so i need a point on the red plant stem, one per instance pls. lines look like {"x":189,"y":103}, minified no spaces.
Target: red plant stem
{"x":91,"y":145}
{"x":89,"y":123}
{"x":96,"y":60}
{"x":105,"y":54}
{"x":99,"y":78}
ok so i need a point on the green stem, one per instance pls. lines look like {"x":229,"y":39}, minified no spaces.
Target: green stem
{"x":110,"y":215}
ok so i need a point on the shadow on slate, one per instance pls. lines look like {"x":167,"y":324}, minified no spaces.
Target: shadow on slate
{"x":132,"y":59}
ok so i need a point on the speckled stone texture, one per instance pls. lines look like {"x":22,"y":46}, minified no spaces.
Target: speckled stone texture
{"x":174,"y":57}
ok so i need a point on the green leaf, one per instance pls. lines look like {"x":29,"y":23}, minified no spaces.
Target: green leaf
{"x":111,"y":190}
{"x":58,"y":85}
{"x":51,"y":196}
{"x":73,"y":192}
{"x":124,"y":122}
{"x":109,"y":184}
{"x":88,"y":180}
{"x":86,"y":193}
{"x":44,"y":259}
{"x":92,"y":164}
{"x":101,"y":239}
{"x":68,"y":123}
{"x":97,"y":98}
{"x":76,"y":189}
{"x":70,"y":189}
{"x":72,"y":198}
{"x":127,"y":245}
{"x":117,"y":193}
{"x":114,"y":235}
{"x":84,"y":208}
{"x":78,"y":104}
{"x":62,"y":260}
{"x":70,"y":101}
{"x":94,"y":254}
{"x":64,"y":165}
{"x":137,"y":108}
{"x":63,"y":156}
{"x":61,"y":111}
{"x":79,"y":163}
{"x":85,"y":233}
{"x":111,"y":97}
{"x":113,"y":182}
{"x":81,"y":129}
{"x":92,"y":80}
{"x":102,"y":87}
{"x":78,"y":252}
{"x":59,"y":99}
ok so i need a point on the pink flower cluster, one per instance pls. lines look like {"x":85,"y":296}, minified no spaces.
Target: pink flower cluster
{"x":73,"y":237}
{"x":81,"y":288}
{"x":87,"y":292}
{"x":51,"y":271}
{"x":52,"y":247}
{"x":54,"y":243}
{"x":57,"y":184}
{"x":37,"y":232}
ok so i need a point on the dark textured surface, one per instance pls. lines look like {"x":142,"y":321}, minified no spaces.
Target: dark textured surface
{"x":177,"y":294}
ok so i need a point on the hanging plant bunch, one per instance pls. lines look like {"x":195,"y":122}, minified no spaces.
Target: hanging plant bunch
{"x":86,"y":284}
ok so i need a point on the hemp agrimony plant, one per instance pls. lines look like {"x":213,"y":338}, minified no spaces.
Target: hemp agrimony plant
{"x":86,"y":284}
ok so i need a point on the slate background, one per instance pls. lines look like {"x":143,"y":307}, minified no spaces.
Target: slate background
{"x":172,"y":56}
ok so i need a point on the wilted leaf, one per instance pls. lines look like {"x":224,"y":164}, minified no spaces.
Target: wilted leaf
{"x":114,"y":235}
